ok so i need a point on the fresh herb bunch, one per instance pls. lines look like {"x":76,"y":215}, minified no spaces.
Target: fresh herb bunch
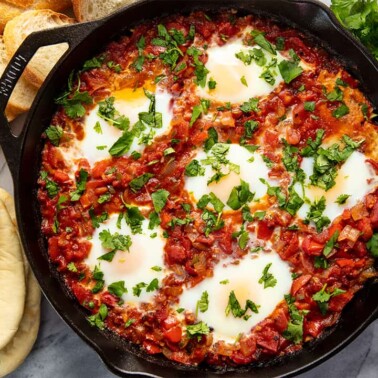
{"x":361,"y":18}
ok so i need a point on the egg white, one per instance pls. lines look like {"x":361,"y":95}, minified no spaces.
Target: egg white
{"x":128,"y":102}
{"x":227,"y":70}
{"x":355,"y":177}
{"x":252,"y":168}
{"x":134,"y":266}
{"x":243,"y":279}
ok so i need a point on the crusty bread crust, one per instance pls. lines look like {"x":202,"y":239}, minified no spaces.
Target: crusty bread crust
{"x":46,"y":57}
{"x":12,"y":8}
{"x":88,"y":10}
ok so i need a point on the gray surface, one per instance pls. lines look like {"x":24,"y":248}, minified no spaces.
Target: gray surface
{"x":60,"y":353}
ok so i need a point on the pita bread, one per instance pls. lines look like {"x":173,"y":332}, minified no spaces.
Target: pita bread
{"x":12,"y":278}
{"x":8,"y":202}
{"x":13,"y":354}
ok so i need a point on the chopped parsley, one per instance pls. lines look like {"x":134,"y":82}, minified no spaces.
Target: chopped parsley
{"x":54,"y":133}
{"x":203,"y":303}
{"x":153,"y":285}
{"x":137,"y":289}
{"x":122,"y":144}
{"x":267,"y":278}
{"x":342,"y":198}
{"x":341,"y":111}
{"x":290,"y":69}
{"x":159,"y":199}
{"x":322,"y":298}
{"x":98,"y":276}
{"x":372,"y":245}
{"x":236,"y":310}
{"x":294,"y":330}
{"x":197,"y":111}
{"x":250,"y":106}
{"x":315,"y":214}
{"x":138,"y":183}
{"x":97,"y":219}
{"x":212,"y":84}
{"x":51,"y":186}
{"x":117,"y":288}
{"x":239,"y":196}
{"x":211,"y":140}
{"x":134,"y":219}
{"x":331,"y":243}
{"x":72,"y":267}
{"x":97,"y":320}
{"x":104,"y":198}
{"x":194,"y":169}
{"x":198,"y":330}
{"x":114,"y":242}
{"x":309,"y":106}
{"x":80,"y":185}
{"x":259,"y":39}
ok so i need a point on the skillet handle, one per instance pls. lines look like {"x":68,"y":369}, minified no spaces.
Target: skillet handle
{"x":73,"y":35}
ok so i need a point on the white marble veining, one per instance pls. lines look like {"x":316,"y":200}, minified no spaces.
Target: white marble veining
{"x":60,"y":353}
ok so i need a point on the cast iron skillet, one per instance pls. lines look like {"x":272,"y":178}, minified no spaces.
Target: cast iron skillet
{"x":23,"y":156}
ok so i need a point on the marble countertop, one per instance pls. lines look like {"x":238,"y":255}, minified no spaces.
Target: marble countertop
{"x":60,"y":353}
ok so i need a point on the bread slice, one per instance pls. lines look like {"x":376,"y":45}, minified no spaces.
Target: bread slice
{"x":46,"y":57}
{"x":23,"y":94}
{"x":12,"y":8}
{"x":88,"y":10}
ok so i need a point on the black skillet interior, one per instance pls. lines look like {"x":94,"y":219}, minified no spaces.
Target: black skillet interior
{"x":23,"y":155}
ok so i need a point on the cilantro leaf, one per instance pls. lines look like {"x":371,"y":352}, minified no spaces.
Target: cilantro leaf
{"x":342,"y":198}
{"x":211,"y":140}
{"x":322,"y":297}
{"x":203,"y":303}
{"x":289,"y":70}
{"x":294,"y":330}
{"x":153,"y":285}
{"x":315,"y":214}
{"x":259,"y":39}
{"x":341,"y":111}
{"x":372,"y":245}
{"x":134,"y":219}
{"x":54,"y":133}
{"x":80,"y":185}
{"x":117,"y":288}
{"x":97,"y":320}
{"x":198,"y":329}
{"x":236,"y":310}
{"x":122,"y":145}
{"x":239,"y":196}
{"x":138,"y":183}
{"x":194,"y":169}
{"x":267,"y":278}
{"x":159,"y":199}
{"x":250,"y":106}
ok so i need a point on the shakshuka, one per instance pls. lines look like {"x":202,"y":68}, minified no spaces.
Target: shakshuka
{"x":208,"y":188}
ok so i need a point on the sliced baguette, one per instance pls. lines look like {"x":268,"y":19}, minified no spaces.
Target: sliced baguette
{"x":88,"y":10}
{"x":12,"y":8}
{"x":23,"y":94}
{"x":46,"y":57}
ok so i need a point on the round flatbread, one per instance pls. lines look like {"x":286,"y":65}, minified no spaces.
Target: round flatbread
{"x":13,"y":354}
{"x":8,"y":202}
{"x":17,"y":349}
{"x":12,"y":278}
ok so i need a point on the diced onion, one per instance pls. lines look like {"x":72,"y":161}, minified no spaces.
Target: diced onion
{"x":349,"y":233}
